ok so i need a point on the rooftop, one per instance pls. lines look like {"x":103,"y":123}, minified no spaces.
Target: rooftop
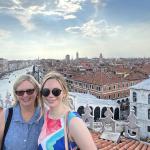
{"x":144,"y":85}
{"x":124,"y":144}
{"x":86,"y":98}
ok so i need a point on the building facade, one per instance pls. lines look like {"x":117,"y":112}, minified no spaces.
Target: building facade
{"x":98,"y":106}
{"x":140,"y":102}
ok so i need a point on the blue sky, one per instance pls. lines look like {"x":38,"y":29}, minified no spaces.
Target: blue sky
{"x":53,"y":28}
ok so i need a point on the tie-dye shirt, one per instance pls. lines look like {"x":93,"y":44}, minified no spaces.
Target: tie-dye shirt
{"x":52,"y":134}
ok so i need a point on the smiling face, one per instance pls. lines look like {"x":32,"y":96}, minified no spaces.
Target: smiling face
{"x":51,"y":100}
{"x":26,"y":94}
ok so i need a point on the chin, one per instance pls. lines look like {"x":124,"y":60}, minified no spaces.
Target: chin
{"x":52,"y":105}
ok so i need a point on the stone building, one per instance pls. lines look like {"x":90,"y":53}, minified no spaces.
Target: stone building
{"x":98,"y":106}
{"x":140,"y":101}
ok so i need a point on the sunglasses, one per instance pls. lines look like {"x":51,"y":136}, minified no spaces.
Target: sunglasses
{"x":56,"y":92}
{"x":28,"y":92}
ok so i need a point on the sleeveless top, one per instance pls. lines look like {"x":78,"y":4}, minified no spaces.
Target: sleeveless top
{"x":52,"y":134}
{"x":23,"y":135}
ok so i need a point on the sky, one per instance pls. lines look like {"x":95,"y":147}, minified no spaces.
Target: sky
{"x":54,"y":28}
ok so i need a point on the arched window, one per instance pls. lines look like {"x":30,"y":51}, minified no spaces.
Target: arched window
{"x":148,"y":113}
{"x":134,"y":97}
{"x":103,"y":112}
{"x":91,"y":110}
{"x":149,"y":99}
{"x":80,"y":110}
{"x":135,"y":110}
{"x":116,"y":114}
{"x":96,"y":113}
{"x":148,"y":128}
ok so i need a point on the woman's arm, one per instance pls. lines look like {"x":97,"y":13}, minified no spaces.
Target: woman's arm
{"x":81,"y":135}
{"x":2,"y":125}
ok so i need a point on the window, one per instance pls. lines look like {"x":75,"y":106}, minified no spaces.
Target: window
{"x":96,"y":88}
{"x":148,"y":128}
{"x":87,"y":86}
{"x":134,"y":97}
{"x":149,"y":99}
{"x":80,"y":84}
{"x":148,"y":113}
{"x":135,"y":110}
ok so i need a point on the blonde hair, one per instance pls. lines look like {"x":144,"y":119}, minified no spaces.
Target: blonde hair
{"x":59,"y":77}
{"x":36,"y":85}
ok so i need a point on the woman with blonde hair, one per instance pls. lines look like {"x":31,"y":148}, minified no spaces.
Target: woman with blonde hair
{"x":24,"y":121}
{"x":63,"y":129}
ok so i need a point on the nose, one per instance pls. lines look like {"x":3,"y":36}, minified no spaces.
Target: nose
{"x":25,"y":94}
{"x":50,"y":94}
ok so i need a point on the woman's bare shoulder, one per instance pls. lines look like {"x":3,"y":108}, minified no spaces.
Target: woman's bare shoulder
{"x":2,"y":124}
{"x":2,"y":115}
{"x":1,"y":110}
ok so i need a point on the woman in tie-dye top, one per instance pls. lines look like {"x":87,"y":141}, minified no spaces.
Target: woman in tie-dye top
{"x":54,"y":92}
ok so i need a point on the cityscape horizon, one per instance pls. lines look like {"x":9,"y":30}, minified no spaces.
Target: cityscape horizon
{"x":84,"y":57}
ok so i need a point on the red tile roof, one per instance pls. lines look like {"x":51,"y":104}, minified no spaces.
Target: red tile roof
{"x":99,"y":78}
{"x":146,"y":68}
{"x":124,"y":144}
{"x":136,"y":75}
{"x":121,"y":69}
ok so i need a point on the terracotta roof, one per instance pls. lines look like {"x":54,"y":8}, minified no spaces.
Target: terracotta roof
{"x":146,"y":68}
{"x":136,"y":75}
{"x":121,"y":69}
{"x":99,"y":78}
{"x":124,"y":144}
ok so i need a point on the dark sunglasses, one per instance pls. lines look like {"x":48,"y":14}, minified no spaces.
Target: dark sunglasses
{"x":56,"y":92}
{"x":28,"y":92}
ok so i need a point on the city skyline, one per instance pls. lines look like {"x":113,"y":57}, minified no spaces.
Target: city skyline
{"x":54,"y":28}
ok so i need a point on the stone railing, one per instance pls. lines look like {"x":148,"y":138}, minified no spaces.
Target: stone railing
{"x":7,"y":101}
{"x":109,"y":125}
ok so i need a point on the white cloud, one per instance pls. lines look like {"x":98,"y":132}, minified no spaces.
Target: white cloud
{"x":73,"y":29}
{"x":68,"y":6}
{"x":131,"y":41}
{"x":95,"y":1}
{"x":24,"y":10}
{"x":25,"y":21}
{"x":4,"y":34}
{"x":69,"y":17}
{"x":17,"y":1}
{"x":99,"y":2}
{"x":95,"y":29}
